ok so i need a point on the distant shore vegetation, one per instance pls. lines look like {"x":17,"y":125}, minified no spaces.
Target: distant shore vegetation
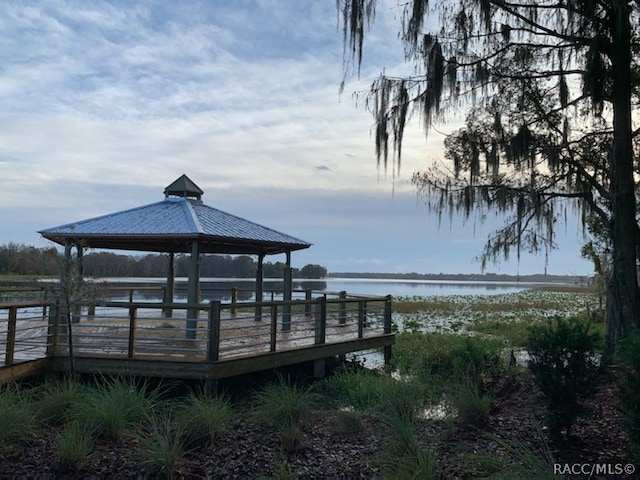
{"x":20,"y":259}
{"x":470,"y":277}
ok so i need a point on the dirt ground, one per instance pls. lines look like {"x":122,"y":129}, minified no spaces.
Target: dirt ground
{"x":252,"y":450}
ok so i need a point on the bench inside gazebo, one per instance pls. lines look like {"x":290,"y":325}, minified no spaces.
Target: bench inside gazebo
{"x":207,"y":341}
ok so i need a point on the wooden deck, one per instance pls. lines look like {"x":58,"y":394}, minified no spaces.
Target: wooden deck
{"x":201,"y":341}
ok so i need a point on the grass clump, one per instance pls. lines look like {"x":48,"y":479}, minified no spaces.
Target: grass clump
{"x":74,"y":445}
{"x":17,"y":415}
{"x":284,"y":405}
{"x":514,"y":332}
{"x":162,"y":445}
{"x":57,"y":400}
{"x":446,"y":358}
{"x":113,"y":406}
{"x":403,"y":457}
{"x":202,"y":418}
{"x":472,"y":403}
{"x":368,"y":391}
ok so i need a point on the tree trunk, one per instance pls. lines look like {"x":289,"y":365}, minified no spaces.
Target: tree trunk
{"x":623,"y":305}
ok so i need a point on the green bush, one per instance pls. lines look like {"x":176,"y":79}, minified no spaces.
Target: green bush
{"x":629,"y":387}
{"x":564,"y":363}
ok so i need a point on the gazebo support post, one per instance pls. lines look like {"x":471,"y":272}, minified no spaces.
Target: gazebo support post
{"x":168,"y":291}
{"x":286,"y":294}
{"x":79,"y":278}
{"x":193,"y":291}
{"x":259,"y":287}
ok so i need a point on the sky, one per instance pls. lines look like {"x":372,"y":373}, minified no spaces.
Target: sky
{"x":105,"y":103}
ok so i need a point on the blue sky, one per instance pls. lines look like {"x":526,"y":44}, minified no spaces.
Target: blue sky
{"x":104,"y":103}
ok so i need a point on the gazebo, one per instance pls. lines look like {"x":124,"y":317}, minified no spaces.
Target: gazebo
{"x":181,"y":223}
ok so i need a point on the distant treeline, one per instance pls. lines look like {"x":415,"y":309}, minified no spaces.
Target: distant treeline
{"x":19,"y":259}
{"x":486,"y":277}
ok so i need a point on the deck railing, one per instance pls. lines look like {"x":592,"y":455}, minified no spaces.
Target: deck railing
{"x":25,"y":331}
{"x":216,"y":332}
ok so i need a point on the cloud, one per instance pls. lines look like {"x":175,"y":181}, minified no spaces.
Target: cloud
{"x":103,"y":104}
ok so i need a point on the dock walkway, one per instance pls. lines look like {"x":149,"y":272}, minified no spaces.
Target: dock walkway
{"x":207,"y":341}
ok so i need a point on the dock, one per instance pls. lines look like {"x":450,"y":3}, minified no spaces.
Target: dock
{"x":204,"y":341}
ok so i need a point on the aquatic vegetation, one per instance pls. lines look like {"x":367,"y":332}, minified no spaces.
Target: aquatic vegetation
{"x":485,"y":314}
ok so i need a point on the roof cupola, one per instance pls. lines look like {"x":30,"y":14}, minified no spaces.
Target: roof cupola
{"x":183,"y":187}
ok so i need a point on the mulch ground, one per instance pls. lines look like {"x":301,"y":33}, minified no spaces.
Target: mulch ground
{"x":251,"y":450}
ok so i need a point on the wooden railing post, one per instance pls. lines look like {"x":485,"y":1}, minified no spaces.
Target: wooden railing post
{"x":387,"y":328}
{"x":361,"y":318}
{"x":286,"y":317}
{"x":132,"y":332}
{"x":274,"y":327}
{"x":11,"y":335}
{"x":342,"y":311}
{"x":214,"y":331}
{"x":321,"y":320}
{"x":234,"y":300}
{"x":52,"y":330}
{"x":307,"y":305}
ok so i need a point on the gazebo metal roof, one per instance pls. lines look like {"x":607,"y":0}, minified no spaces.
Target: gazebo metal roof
{"x":172,"y":225}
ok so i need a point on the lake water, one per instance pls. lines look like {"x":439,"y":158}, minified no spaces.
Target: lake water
{"x":219,"y":288}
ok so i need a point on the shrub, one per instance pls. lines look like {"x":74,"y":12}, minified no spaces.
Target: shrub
{"x":564,"y":363}
{"x":629,"y":387}
{"x":202,"y":418}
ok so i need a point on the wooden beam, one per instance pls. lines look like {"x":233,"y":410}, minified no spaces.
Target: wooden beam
{"x":221,"y":369}
{"x":30,"y":368}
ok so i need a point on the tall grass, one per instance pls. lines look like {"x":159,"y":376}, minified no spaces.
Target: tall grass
{"x":74,"y":445}
{"x":57,"y":399}
{"x":17,"y":415}
{"x":402,"y":456}
{"x":114,"y":405}
{"x":162,"y":445}
{"x":472,"y":404}
{"x":202,"y":418}
{"x":446,"y":359}
{"x":284,"y":405}
{"x":366,"y":391}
